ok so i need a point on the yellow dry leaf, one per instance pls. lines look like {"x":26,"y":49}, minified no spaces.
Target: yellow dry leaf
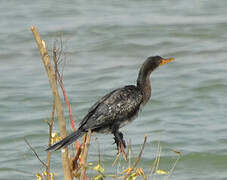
{"x":177,"y":152}
{"x":112,"y":175}
{"x":38,"y":176}
{"x":58,"y":138}
{"x":52,"y":176}
{"x":54,"y":134}
{"x":55,"y":138}
{"x":76,"y":174}
{"x":133,"y":176}
{"x":141,"y":173}
{"x":98,"y":177}
{"x":128,"y":170}
{"x":160,"y":171}
{"x":99,"y":168}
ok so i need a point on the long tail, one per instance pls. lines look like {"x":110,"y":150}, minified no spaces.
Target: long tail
{"x":66,"y":141}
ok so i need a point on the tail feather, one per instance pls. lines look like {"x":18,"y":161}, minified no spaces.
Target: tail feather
{"x":66,"y":141}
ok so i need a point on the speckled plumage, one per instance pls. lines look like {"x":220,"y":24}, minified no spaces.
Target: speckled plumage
{"x":116,"y":108}
{"x":113,"y":110}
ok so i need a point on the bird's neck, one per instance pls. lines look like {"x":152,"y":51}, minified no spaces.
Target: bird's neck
{"x":143,"y":83}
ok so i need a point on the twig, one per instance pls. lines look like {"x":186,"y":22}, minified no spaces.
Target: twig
{"x":33,"y":150}
{"x":67,"y":103}
{"x":59,"y":109}
{"x":141,"y":152}
{"x":75,"y":165}
{"x":84,"y":157}
{"x":116,"y":159}
{"x":50,"y":124}
{"x":59,"y":78}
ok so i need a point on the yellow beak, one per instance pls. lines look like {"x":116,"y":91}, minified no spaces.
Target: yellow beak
{"x":164,"y":61}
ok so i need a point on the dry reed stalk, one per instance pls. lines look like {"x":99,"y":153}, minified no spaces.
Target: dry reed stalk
{"x":59,"y":109}
{"x":137,"y":159}
{"x":84,"y":157}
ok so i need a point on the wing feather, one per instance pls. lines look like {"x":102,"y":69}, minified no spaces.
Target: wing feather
{"x":118,"y":105}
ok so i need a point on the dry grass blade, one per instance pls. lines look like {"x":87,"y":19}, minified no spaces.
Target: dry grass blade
{"x":174,"y":164}
{"x":137,"y":159}
{"x":141,"y":152}
{"x":156,"y":161}
{"x":116,"y":159}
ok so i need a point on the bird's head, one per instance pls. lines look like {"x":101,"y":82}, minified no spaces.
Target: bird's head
{"x":148,"y":66}
{"x":143,"y":80}
{"x":154,"y":61}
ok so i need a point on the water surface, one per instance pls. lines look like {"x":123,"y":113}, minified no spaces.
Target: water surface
{"x":105,"y":44}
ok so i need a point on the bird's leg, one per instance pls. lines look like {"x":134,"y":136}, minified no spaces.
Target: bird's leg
{"x":120,"y":142}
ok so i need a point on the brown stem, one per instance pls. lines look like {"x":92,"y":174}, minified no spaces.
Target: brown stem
{"x":84,"y":157}
{"x":50,"y":123}
{"x":59,"y":109}
{"x":141,"y":152}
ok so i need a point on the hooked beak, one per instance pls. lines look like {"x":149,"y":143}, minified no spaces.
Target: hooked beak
{"x":164,"y":61}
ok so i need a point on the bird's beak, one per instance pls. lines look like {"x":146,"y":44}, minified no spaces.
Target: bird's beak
{"x":164,"y":61}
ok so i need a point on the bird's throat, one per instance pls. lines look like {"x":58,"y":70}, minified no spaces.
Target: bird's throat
{"x":146,"y":89}
{"x":143,"y":83}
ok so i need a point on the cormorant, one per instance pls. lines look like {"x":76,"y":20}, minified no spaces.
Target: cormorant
{"x":117,"y":108}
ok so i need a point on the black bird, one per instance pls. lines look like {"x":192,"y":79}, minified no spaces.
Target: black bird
{"x":117,"y":108}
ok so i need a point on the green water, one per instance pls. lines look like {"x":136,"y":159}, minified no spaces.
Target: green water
{"x":105,"y":44}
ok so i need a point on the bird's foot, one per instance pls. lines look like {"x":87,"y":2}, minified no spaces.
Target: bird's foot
{"x":121,"y":149}
{"x":121,"y":145}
